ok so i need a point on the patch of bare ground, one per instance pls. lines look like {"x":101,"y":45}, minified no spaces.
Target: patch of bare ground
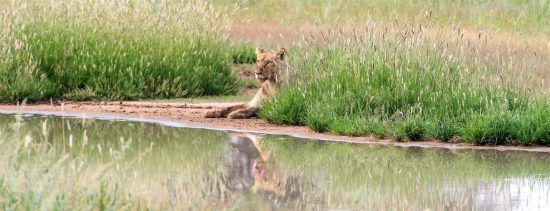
{"x":192,"y":115}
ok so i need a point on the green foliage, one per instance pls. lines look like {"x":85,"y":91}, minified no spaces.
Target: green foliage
{"x":51,"y":54}
{"x":70,"y":62}
{"x":533,"y":126}
{"x":490,"y":128}
{"x":318,"y":119}
{"x":414,"y":129}
{"x":285,"y":109}
{"x":242,"y":53}
{"x":526,"y":127}
{"x":443,"y":130}
{"x":403,"y":91}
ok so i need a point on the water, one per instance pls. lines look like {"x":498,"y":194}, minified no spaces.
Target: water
{"x":51,"y":162}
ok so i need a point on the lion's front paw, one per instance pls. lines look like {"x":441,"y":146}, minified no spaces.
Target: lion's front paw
{"x":236,"y":115}
{"x":213,"y":114}
{"x":242,"y":114}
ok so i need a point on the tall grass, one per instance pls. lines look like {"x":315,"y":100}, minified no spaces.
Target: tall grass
{"x":242,"y":53}
{"x":394,"y":82}
{"x":81,"y":50}
{"x":529,"y":16}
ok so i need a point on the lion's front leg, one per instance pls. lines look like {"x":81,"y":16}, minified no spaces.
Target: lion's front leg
{"x":244,"y":113}
{"x":223,"y":112}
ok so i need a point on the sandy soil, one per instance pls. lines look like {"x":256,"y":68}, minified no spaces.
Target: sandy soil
{"x":190,"y":115}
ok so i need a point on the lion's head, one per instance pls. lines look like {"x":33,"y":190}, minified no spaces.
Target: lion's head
{"x":270,"y":65}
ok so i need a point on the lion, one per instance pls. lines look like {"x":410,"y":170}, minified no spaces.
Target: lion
{"x":273,"y":72}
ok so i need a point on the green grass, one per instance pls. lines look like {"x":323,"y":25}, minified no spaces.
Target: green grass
{"x":504,"y":127}
{"x":242,"y":53}
{"x":404,"y":89}
{"x":142,"y":52}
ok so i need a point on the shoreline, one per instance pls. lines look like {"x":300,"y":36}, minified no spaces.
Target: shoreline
{"x":189,"y":115}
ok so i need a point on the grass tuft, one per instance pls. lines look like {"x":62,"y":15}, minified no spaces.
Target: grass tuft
{"x":87,"y":50}
{"x":242,"y":53}
{"x":402,"y":87}
{"x":443,"y":130}
{"x":414,"y":129}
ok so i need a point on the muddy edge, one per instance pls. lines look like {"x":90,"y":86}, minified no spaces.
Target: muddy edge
{"x":191,"y":116}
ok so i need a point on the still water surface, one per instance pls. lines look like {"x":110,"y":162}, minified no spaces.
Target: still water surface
{"x":167,"y":167}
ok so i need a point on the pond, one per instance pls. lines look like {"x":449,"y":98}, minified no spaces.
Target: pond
{"x":52,"y":162}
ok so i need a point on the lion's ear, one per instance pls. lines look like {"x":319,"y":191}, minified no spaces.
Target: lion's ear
{"x":259,"y":51}
{"x":281,"y":53}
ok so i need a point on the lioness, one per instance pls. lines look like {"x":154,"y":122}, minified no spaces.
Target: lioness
{"x":272,"y":71}
{"x":248,"y":166}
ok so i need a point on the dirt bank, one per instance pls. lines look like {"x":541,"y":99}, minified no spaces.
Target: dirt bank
{"x":190,"y":115}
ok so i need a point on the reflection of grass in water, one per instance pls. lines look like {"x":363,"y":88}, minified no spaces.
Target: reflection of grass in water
{"x":138,"y":165}
{"x":377,"y":176}
{"x":44,"y":168}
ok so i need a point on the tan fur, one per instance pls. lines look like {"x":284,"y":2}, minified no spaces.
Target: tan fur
{"x":273,"y":72}
{"x":270,"y":180}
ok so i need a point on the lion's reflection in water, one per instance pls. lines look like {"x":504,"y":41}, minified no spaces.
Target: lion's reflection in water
{"x":247,"y":168}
